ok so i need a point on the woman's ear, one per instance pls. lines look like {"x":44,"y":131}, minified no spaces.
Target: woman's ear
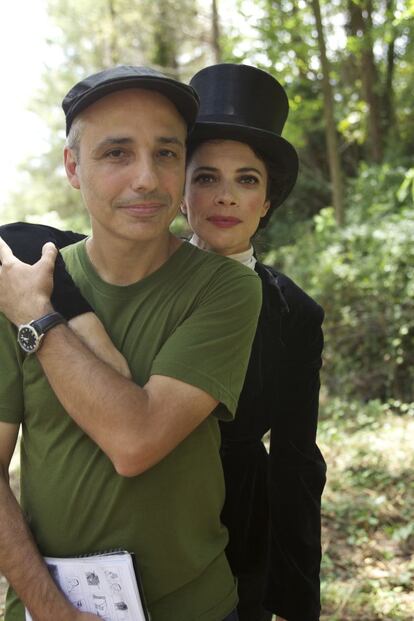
{"x":71,"y":166}
{"x":265,"y":208}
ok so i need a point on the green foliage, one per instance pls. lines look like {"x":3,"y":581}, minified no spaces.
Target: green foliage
{"x":89,"y":36}
{"x":277,"y":36}
{"x":363,"y":275}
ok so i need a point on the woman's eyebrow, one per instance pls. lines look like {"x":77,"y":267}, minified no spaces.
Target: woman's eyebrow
{"x":209,"y":168}
{"x":243,"y":169}
{"x":250,"y":169}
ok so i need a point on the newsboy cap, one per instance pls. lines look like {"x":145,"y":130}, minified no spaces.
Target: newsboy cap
{"x":97,"y":85}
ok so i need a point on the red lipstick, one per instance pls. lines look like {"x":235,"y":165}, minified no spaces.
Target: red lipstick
{"x":224,"y":222}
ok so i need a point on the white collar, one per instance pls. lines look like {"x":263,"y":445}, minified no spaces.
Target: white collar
{"x":247,"y":257}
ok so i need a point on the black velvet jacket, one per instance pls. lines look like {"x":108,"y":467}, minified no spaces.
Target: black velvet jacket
{"x":272,"y":506}
{"x":273,"y":502}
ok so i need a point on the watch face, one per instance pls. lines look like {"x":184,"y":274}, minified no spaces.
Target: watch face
{"x":28,"y":339}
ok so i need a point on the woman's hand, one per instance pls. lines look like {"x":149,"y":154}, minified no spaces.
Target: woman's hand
{"x":89,"y":328}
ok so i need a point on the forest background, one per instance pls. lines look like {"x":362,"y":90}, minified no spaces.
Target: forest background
{"x":345,"y":234}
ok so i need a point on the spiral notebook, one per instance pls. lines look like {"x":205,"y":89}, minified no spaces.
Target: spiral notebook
{"x":106,"y":585}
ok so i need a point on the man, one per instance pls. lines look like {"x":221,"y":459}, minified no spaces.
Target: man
{"x":108,"y":462}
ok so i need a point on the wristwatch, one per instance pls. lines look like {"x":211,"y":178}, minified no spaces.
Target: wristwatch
{"x":30,"y":335}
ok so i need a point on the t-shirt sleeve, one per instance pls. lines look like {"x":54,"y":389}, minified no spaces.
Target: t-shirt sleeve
{"x":211,"y":348}
{"x":11,"y":380}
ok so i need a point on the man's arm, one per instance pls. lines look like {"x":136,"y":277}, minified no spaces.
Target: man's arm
{"x":20,"y":560}
{"x":90,"y":330}
{"x":135,"y":426}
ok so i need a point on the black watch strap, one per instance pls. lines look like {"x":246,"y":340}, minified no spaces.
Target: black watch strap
{"x":47,"y":322}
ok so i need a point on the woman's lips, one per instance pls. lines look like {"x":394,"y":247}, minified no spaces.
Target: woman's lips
{"x":224,"y":222}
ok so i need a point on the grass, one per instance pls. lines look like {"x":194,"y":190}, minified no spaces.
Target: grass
{"x":368,"y":508}
{"x":368,"y":566}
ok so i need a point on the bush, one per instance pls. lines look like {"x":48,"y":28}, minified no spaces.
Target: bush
{"x":363,"y":276}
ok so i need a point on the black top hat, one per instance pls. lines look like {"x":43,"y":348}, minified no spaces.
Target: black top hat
{"x":98,"y":85}
{"x":243,"y":103}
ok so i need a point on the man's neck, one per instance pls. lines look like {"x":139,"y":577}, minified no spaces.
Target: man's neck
{"x":123,"y":262}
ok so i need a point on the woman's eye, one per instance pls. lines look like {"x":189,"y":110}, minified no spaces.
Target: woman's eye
{"x":204,"y":179}
{"x":249,"y":180}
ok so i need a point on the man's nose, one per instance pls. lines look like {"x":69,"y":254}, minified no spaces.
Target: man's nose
{"x":145,"y":178}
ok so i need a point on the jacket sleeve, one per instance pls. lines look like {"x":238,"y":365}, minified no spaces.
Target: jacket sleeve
{"x":26,"y":241}
{"x":297,"y":469}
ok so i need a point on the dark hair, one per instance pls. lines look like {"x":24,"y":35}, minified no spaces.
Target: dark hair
{"x":276,"y":174}
{"x":276,"y":180}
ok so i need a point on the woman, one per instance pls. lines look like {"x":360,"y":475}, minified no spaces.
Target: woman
{"x":239,"y":171}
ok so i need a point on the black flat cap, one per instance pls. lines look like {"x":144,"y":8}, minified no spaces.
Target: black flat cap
{"x":96,"y":86}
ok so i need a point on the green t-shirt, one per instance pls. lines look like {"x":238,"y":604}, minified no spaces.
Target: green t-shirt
{"x":192,"y":319}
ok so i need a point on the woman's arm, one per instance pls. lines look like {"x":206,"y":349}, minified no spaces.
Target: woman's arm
{"x":297,"y":468}
{"x":26,"y":241}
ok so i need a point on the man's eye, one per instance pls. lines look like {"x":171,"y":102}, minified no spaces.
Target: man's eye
{"x":115,"y":154}
{"x":168,"y":153}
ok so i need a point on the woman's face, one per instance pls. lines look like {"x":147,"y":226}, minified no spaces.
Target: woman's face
{"x":225,"y":195}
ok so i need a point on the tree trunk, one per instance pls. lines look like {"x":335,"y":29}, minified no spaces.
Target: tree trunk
{"x":165,"y":44}
{"x":389,"y":118}
{"x":299,"y":45}
{"x":215,"y":32}
{"x":113,"y":51}
{"x":331,"y":136}
{"x":361,"y":27}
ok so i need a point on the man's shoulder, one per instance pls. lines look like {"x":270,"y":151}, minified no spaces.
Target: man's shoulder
{"x":213,"y":265}
{"x":74,"y":248}
{"x":220,"y":284}
{"x":72,"y":255}
{"x":229,"y":277}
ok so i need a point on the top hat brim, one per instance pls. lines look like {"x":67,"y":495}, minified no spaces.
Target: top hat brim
{"x":269,"y":145}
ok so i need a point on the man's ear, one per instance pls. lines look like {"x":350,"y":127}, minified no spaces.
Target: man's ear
{"x":71,"y":166}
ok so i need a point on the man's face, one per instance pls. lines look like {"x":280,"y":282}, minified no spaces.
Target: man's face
{"x":130,"y":164}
